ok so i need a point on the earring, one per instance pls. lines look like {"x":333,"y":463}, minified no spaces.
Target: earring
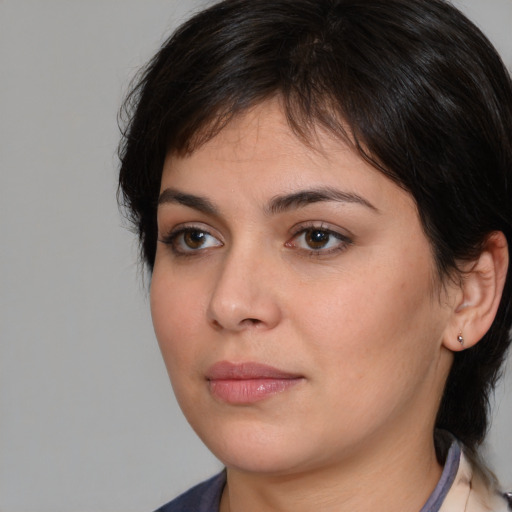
{"x":460,"y":339}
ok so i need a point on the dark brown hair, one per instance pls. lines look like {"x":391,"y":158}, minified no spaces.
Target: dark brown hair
{"x":421,"y":92}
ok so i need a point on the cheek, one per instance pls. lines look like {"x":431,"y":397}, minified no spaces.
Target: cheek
{"x":177,"y":310}
{"x":178,"y":313}
{"x":374,"y":326}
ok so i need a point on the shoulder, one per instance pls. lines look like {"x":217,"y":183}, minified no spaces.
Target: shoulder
{"x":473,"y":489}
{"x":485,"y":493}
{"x":204,"y":497}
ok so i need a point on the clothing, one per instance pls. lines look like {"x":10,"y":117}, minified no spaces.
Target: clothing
{"x":204,"y":497}
{"x":459,"y":489}
{"x":469,"y":493}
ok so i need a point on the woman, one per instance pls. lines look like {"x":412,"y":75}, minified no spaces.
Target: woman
{"x":322,"y":191}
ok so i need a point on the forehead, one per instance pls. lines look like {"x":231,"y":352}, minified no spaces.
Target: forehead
{"x":263,"y":124}
{"x":259,"y":151}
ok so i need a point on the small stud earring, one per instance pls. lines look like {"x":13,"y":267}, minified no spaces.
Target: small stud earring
{"x":460,"y":339}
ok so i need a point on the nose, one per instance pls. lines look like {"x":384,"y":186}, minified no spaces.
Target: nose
{"x":244,"y":296}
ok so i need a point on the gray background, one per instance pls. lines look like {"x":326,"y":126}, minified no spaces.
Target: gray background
{"x":87,"y":417}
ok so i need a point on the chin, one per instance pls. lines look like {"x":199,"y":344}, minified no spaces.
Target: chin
{"x":258,"y":448}
{"x":269,"y":460}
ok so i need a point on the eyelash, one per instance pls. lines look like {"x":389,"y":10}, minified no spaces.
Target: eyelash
{"x":343,"y":240}
{"x":173,"y":240}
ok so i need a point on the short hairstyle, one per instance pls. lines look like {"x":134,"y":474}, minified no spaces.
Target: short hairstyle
{"x":412,"y":84}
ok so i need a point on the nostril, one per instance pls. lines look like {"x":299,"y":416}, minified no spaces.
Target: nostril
{"x":247,"y":322}
{"x":252,"y":321}
{"x":216,"y":324}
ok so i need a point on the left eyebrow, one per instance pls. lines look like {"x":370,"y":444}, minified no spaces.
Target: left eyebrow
{"x":302,"y":198}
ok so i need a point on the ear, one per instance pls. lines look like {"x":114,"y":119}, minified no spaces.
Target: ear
{"x":479,"y":295}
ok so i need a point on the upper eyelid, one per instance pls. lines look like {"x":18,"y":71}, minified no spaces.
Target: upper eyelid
{"x":321,"y":226}
{"x":342,"y":243}
{"x":336,"y":234}
{"x":186,"y":226}
{"x":170,"y":237}
{"x":172,"y":240}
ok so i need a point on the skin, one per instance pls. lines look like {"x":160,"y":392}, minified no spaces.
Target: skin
{"x":362,"y":320}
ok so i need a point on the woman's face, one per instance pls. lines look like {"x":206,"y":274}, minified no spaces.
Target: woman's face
{"x":295,"y":300}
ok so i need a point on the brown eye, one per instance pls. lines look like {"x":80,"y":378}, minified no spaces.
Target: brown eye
{"x":191,"y":240}
{"x":319,"y":241}
{"x":317,"y":238}
{"x":194,"y":239}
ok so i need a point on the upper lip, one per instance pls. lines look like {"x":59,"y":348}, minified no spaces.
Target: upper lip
{"x":225,"y":370}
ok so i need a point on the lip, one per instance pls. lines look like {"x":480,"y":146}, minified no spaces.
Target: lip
{"x":246,"y":383}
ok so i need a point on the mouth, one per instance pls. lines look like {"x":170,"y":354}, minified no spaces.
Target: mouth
{"x":246,"y":383}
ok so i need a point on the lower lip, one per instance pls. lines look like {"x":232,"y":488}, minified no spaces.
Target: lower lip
{"x":247,"y":391}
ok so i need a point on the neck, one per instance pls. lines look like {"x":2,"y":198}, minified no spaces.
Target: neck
{"x":399,"y":475}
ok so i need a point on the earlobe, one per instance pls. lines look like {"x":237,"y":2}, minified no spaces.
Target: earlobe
{"x":479,"y":296}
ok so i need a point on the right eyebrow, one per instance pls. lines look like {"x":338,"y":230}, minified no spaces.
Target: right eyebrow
{"x":198,"y":203}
